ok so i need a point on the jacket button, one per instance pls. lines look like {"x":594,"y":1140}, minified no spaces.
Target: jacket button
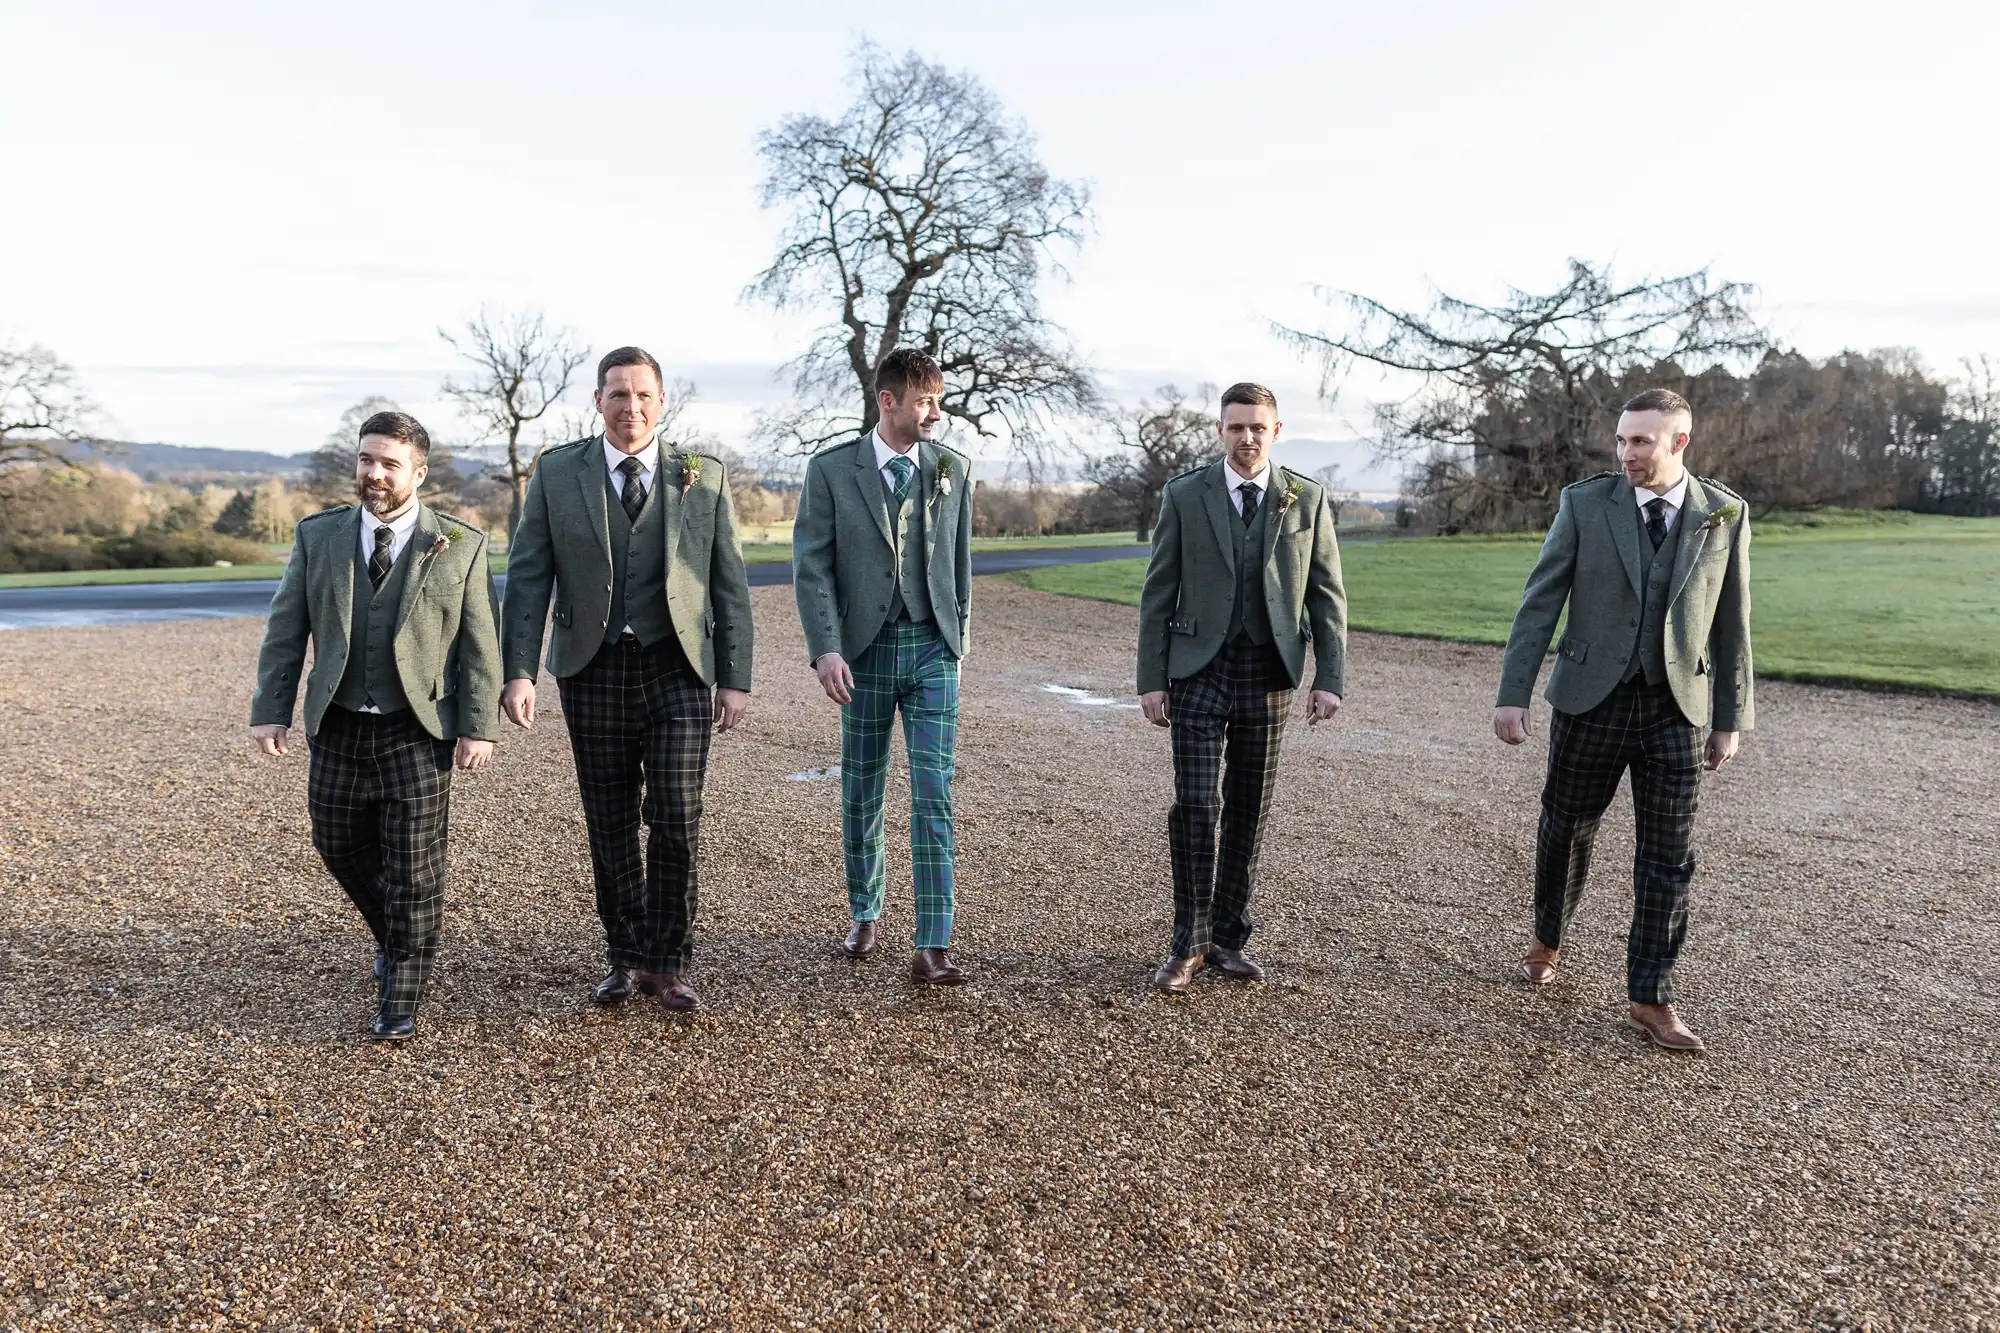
{"x":1635,"y":624}
{"x":883,"y":607}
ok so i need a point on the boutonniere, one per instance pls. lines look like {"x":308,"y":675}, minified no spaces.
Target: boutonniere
{"x":943,"y":477}
{"x":1290,"y":497}
{"x":443,"y":541}
{"x":1721,"y":516}
{"x":690,"y":473}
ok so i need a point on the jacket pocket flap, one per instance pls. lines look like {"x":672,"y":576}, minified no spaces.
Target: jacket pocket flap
{"x":1574,"y":649}
{"x":1181,"y":625}
{"x":562,"y":614}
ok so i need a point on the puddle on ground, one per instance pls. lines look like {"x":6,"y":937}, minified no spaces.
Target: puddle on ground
{"x":1084,"y":697}
{"x":831,"y":773}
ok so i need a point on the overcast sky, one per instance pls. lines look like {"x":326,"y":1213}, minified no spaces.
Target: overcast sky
{"x":236,"y":220}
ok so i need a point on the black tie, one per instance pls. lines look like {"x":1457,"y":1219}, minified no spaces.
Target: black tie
{"x":378,"y":563}
{"x":1656,"y":520}
{"x":633,"y":493}
{"x":1249,"y":492}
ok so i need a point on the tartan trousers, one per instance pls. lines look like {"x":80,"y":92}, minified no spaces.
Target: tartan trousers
{"x":1228,"y":720}
{"x":1639,"y":727}
{"x":908,"y":667}
{"x":378,"y":787}
{"x":639,"y":723}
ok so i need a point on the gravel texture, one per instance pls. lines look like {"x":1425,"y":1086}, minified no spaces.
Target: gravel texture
{"x":1388,"y":1133}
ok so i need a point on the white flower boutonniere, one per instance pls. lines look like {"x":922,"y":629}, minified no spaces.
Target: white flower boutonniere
{"x":444,"y":540}
{"x":1721,"y":516}
{"x":690,"y":473}
{"x":1290,"y":497}
{"x":943,"y":477}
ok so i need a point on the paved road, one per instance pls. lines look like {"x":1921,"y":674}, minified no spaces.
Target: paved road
{"x":31,"y":608}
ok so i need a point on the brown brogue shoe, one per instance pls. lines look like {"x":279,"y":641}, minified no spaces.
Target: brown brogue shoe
{"x":860,"y":941}
{"x":673,"y":992}
{"x":615,"y":988}
{"x":1538,"y":967}
{"x":1235,"y":963}
{"x":1664,"y":1026}
{"x":933,"y":967}
{"x":1177,"y":974}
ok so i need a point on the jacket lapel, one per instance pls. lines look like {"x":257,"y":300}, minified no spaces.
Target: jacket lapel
{"x":1620,"y":513}
{"x":874,"y":495}
{"x":1220,"y":515}
{"x":1281,"y":482}
{"x":423,"y":538}
{"x":1690,"y":528}
{"x":591,"y":480}
{"x":342,"y":546}
{"x":927,"y":457}
{"x":667,"y":488}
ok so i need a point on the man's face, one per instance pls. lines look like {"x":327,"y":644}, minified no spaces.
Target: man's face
{"x":1248,"y":431}
{"x":386,"y":474}
{"x":1649,"y":448}
{"x":912,"y":417}
{"x":630,"y":403}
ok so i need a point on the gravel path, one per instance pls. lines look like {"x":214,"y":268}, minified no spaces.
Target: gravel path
{"x":1388,"y":1133}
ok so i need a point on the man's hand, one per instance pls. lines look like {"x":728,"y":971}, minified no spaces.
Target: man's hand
{"x":471,"y":754}
{"x":1512,"y":725}
{"x":1155,"y":705}
{"x":730,"y":706}
{"x":1721,"y":748}
{"x":517,"y":701}
{"x":271,"y":739}
{"x":835,"y":678}
{"x":1321,"y":705}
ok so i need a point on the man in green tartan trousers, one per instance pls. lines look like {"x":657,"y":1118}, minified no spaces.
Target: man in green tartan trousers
{"x":882,"y":569}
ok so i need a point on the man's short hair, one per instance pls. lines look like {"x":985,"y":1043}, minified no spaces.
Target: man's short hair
{"x":628,"y":356}
{"x":1659,"y":400}
{"x":1250,"y":395}
{"x":399,"y":426}
{"x":905,"y":367}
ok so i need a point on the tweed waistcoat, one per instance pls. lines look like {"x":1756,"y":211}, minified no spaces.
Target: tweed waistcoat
{"x":639,"y":567}
{"x":912,"y":595}
{"x":1247,"y":612}
{"x":1649,"y":652}
{"x":370,"y":674}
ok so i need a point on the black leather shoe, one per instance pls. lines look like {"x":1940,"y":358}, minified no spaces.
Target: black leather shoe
{"x":1235,"y":963}
{"x":860,"y":941}
{"x":393,"y":1027}
{"x":381,"y":967}
{"x":674,"y":994}
{"x":933,"y":967}
{"x":616,"y":986}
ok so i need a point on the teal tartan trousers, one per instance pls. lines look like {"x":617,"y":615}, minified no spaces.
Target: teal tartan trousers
{"x":909,"y":668}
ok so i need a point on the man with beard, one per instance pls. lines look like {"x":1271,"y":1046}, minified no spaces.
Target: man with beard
{"x":632,"y":540}
{"x":405,"y":683}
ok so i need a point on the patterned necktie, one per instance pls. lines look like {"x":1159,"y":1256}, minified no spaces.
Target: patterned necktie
{"x":1249,"y":492}
{"x":903,"y":468}
{"x":1656,"y":520}
{"x":378,"y":563}
{"x":632,"y":494}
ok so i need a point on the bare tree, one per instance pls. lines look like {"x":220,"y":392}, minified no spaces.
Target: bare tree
{"x":521,"y":368}
{"x":1512,"y":399}
{"x":42,"y":408}
{"x":329,"y":469}
{"x":1159,"y":439}
{"x":1338,"y":493}
{"x":922,"y":217}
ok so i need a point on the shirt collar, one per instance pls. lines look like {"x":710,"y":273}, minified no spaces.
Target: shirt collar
{"x":649,"y":457}
{"x":883,"y":453}
{"x":1262,"y":480}
{"x":1676,"y":498}
{"x":400,"y":525}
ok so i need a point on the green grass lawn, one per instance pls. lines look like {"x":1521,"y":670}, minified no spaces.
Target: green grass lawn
{"x":1892,"y":600}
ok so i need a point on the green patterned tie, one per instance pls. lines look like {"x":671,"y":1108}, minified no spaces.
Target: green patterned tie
{"x":902,"y":467}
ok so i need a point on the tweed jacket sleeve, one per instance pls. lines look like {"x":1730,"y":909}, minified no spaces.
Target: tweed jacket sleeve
{"x":1160,"y":597}
{"x":531,"y":573}
{"x":1326,"y":604}
{"x":479,"y":662}
{"x":812,"y":564}
{"x":1542,"y":604}
{"x":729,"y":598}
{"x":1733,"y":680}
{"x":962,"y":562}
{"x":281,"y":661}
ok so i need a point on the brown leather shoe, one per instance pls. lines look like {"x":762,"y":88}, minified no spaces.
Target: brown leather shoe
{"x":860,"y":941}
{"x":674,"y":993}
{"x":615,"y":988}
{"x":1664,"y":1026}
{"x":1235,"y":963}
{"x":1177,"y":974}
{"x":933,"y":967}
{"x":1538,"y":968}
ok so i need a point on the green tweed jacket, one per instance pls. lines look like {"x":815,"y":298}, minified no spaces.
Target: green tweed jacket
{"x":1591,"y":561}
{"x":447,"y":647}
{"x":844,"y":553}
{"x":1184,"y":609}
{"x":562,"y":554}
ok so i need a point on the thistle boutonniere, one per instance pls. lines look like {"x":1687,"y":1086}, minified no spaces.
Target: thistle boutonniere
{"x":1721,"y":516}
{"x":444,"y":540}
{"x":943,"y":477}
{"x":690,"y":473}
{"x":1290,"y":497}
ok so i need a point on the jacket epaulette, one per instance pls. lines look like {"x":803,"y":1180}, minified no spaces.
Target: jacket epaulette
{"x":565,"y":447}
{"x":1595,"y":476}
{"x":1182,"y":476}
{"x":326,"y":513}
{"x":456,"y":521}
{"x":1712,"y":484}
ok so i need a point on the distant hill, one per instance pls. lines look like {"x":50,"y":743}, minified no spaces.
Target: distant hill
{"x":165,"y":462}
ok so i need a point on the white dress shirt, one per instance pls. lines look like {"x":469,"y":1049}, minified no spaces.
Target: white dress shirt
{"x":1236,"y":480}
{"x":401,"y":526}
{"x":884,"y":452}
{"x":649,"y":463}
{"x":1675,"y":498}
